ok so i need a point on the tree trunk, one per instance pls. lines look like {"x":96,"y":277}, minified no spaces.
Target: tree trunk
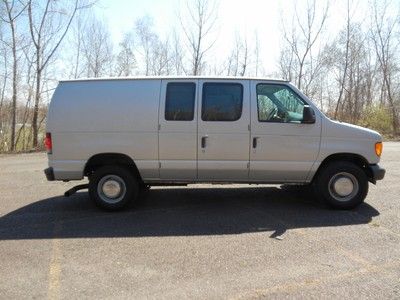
{"x":11,"y":21}
{"x":14,"y":87}
{"x":395,"y":121}
{"x":346,"y":63}
{"x":35,"y":128}
{"x":393,"y":109}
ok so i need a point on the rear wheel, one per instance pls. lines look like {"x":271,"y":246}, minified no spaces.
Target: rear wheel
{"x":113,"y":187}
{"x":342,"y":185}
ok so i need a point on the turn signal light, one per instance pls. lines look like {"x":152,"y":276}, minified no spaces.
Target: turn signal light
{"x":378,"y":148}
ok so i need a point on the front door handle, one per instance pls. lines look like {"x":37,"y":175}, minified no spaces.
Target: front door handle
{"x":203,"y":141}
{"x":255,"y":142}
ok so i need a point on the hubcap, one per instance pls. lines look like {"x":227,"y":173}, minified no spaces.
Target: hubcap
{"x":111,"y":188}
{"x":343,"y":186}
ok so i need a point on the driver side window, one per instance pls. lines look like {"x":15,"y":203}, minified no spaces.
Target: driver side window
{"x":278,"y":103}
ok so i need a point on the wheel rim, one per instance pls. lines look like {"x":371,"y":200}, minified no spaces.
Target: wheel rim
{"x":111,"y":189}
{"x":343,"y":186}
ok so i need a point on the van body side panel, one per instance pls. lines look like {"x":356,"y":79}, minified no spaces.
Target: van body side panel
{"x":89,"y":117}
{"x":342,"y":138}
{"x":285,"y":152}
{"x":92,"y":117}
{"x":177,"y":140}
{"x":225,"y":155}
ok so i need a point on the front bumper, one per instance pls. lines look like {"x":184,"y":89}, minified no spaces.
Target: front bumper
{"x":49,"y":174}
{"x":377,"y":173}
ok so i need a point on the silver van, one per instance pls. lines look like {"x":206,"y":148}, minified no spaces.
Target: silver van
{"x":131,"y":133}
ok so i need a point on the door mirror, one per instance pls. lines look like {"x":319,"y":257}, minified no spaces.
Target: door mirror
{"x":308,"y":115}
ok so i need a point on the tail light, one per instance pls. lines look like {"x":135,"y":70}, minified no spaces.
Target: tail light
{"x":48,"y":143}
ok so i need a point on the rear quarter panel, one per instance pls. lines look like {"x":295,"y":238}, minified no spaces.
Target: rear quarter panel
{"x":91,"y":117}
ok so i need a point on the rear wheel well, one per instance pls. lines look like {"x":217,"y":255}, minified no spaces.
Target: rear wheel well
{"x":103,"y":159}
{"x":356,"y":159}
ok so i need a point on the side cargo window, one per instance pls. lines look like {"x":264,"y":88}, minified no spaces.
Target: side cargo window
{"x":179,"y":102}
{"x":222,"y":102}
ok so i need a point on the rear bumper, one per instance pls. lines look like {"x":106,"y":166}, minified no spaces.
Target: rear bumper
{"x":49,"y":174}
{"x":377,"y":173}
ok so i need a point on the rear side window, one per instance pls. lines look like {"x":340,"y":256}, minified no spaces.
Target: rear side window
{"x":179,"y":102}
{"x":222,"y":102}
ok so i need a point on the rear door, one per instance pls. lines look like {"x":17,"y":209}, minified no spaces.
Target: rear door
{"x":223,"y":130}
{"x":178,"y":130}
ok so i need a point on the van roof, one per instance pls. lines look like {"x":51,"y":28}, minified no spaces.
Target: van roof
{"x":174,"y":77}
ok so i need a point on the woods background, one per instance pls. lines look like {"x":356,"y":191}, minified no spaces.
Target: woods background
{"x":353,"y":76}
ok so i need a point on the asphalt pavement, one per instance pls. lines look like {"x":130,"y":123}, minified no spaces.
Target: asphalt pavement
{"x":200,"y":241}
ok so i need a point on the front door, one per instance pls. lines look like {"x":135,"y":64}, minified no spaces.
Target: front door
{"x":223,"y":130}
{"x":283,"y":148}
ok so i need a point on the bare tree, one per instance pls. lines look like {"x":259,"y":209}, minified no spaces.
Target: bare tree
{"x":48,"y":26}
{"x":238,"y":61}
{"x":354,"y":89}
{"x":234,"y":57}
{"x":126,"y":61}
{"x":97,"y":49}
{"x":257,"y":61}
{"x":76,"y":38}
{"x":177,"y":54}
{"x":13,"y":11}
{"x":346,"y":61}
{"x":4,"y":80}
{"x":146,"y":36}
{"x":382,"y":33}
{"x":300,"y":40}
{"x":354,"y":72}
{"x":200,"y":21}
{"x":286,"y":64}
{"x":245,"y":58}
{"x":161,"y":58}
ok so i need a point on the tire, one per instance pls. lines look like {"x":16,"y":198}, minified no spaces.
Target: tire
{"x":342,"y":185}
{"x":145,"y":187}
{"x":113,"y":187}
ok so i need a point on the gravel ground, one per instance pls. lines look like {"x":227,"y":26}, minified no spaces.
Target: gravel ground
{"x":201,"y":241}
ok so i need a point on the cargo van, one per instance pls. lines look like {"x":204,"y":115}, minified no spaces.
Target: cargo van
{"x":132,"y":133}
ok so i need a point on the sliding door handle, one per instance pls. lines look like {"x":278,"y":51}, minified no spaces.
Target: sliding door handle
{"x":255,"y":142}
{"x":203,"y":141}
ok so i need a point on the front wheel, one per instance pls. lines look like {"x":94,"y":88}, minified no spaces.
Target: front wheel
{"x":342,"y":185}
{"x":113,"y":187}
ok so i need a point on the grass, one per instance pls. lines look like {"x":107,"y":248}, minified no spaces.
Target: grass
{"x":24,"y":142}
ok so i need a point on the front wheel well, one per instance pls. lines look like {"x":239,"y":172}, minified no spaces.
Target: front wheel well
{"x":103,"y":159}
{"x":356,"y":159}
